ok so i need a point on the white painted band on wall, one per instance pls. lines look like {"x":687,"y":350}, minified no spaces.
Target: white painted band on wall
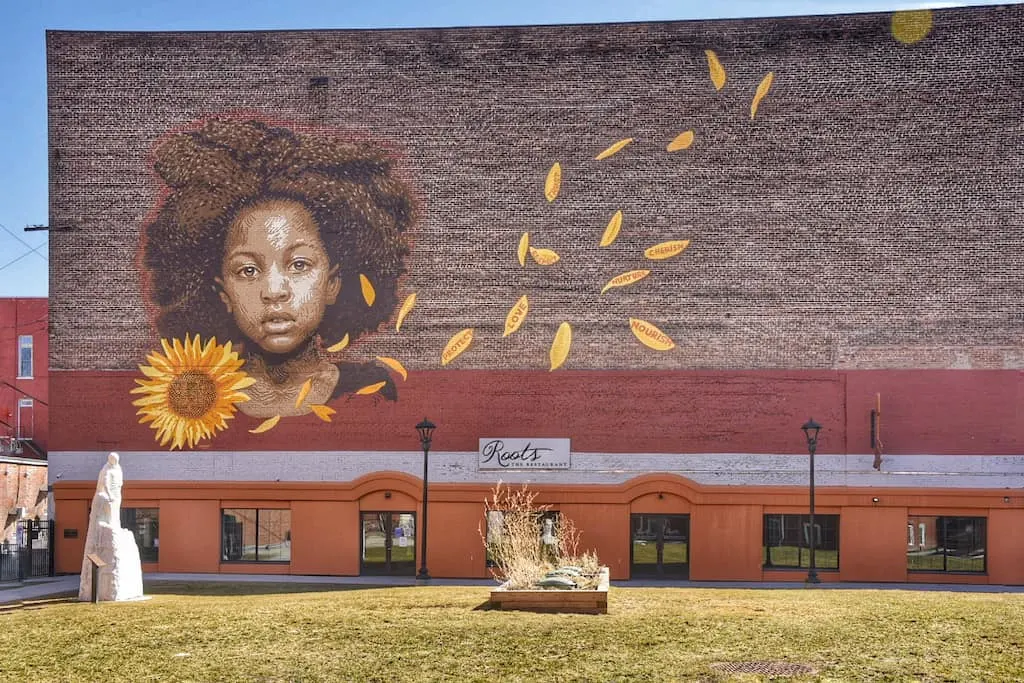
{"x":719,"y":469}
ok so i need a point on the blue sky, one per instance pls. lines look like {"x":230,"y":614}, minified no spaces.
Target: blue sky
{"x":23,"y":147}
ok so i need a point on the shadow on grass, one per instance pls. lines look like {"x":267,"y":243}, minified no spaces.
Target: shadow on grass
{"x":68,"y":597}
{"x":227,"y":588}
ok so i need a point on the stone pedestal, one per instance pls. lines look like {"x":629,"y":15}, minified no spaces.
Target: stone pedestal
{"x":121,"y":576}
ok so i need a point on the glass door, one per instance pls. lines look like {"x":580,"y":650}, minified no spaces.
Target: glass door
{"x":660,"y":546}
{"x":388,"y":543}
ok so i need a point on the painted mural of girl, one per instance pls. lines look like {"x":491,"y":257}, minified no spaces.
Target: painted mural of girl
{"x":270,"y":237}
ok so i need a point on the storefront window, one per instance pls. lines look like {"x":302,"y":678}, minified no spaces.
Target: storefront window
{"x":256,"y":535}
{"x":947,"y":544}
{"x":787,"y":541}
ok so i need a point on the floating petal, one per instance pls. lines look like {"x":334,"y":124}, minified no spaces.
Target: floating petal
{"x":553,"y":182}
{"x":762,"y":90}
{"x":626,"y":279}
{"x":650,"y":336}
{"x":334,"y":348}
{"x":612,"y":231}
{"x":524,"y":245}
{"x":303,"y":392}
{"x":666,"y":249}
{"x":456,"y":345}
{"x":369,"y":295}
{"x":544,"y":257}
{"x":617,"y":147}
{"x":560,"y":347}
{"x":370,"y":389}
{"x":394,"y":365}
{"x":407,"y":305}
{"x":266,"y":425}
{"x":681,"y":141}
{"x":323,"y":412}
{"x":516,"y":315}
{"x":716,"y":69}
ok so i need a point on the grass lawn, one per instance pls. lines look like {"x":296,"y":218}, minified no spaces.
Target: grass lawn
{"x":270,"y":632}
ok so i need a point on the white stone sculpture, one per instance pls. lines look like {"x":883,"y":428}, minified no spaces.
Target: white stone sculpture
{"x":119,"y":574}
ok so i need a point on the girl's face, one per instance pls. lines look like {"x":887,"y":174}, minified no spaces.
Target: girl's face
{"x":276,"y":278}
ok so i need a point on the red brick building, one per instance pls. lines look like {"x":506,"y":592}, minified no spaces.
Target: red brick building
{"x":622,"y":264}
{"x":24,"y":410}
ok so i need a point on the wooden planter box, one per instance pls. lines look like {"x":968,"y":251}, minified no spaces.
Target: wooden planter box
{"x":555,"y":600}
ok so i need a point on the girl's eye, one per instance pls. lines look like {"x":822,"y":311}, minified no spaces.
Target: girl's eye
{"x":248,"y":272}
{"x":301,"y":265}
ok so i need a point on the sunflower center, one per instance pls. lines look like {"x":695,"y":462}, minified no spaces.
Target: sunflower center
{"x":192,"y":394}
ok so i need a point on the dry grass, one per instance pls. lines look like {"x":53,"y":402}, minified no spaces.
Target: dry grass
{"x":273,"y":632}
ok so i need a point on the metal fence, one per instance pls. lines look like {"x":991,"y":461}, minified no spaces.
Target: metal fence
{"x":31,"y":555}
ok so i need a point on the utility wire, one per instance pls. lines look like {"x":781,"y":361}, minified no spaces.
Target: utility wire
{"x":34,"y":249}
{"x":31,"y":251}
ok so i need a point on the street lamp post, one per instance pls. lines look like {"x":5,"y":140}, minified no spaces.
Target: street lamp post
{"x":426,"y":431}
{"x":811,"y":432}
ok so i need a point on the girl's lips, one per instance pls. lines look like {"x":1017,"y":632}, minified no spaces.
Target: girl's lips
{"x":278,"y":325}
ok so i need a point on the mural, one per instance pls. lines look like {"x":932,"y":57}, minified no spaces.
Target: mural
{"x":271,"y":250}
{"x":656,"y":198}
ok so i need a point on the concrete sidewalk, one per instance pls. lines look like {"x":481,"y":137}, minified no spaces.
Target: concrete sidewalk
{"x":35,"y":589}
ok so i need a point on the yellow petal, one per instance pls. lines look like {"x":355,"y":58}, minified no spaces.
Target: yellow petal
{"x":613,"y":149}
{"x":516,"y":315}
{"x":626,"y":279}
{"x":304,"y":392}
{"x":612,"y":231}
{"x":370,"y":389}
{"x":368,"y":294}
{"x":553,"y":182}
{"x":323,"y":412}
{"x":681,"y":141}
{"x":151,"y":372}
{"x":407,"y":305}
{"x":456,"y":345}
{"x":524,"y":244}
{"x":666,"y":249}
{"x":394,"y":365}
{"x":560,"y":347}
{"x":716,"y":69}
{"x":266,"y":425}
{"x":334,"y":348}
{"x":762,"y":90}
{"x":650,"y":336}
{"x":544,"y":257}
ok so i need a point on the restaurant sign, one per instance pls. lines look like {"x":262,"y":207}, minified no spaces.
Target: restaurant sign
{"x":521,"y":454}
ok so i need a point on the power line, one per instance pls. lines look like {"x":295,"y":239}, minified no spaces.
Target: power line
{"x":33,"y":249}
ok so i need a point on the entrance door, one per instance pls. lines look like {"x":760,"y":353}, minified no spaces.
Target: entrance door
{"x":660,"y":546}
{"x":388,"y":543}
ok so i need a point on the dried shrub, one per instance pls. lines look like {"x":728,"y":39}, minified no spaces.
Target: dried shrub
{"x":525,"y":543}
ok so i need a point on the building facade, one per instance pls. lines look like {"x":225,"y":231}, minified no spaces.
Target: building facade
{"x":620,"y":264}
{"x":24,"y":411}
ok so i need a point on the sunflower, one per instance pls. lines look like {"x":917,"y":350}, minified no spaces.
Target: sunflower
{"x":191,"y":390}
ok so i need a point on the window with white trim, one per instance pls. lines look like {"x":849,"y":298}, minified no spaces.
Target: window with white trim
{"x":25,"y":356}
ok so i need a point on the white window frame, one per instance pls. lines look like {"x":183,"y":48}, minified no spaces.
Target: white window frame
{"x":25,"y":341}
{"x":26,"y":404}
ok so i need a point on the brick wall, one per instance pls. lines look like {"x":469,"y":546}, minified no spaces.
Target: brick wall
{"x":21,"y":486}
{"x":868,"y":216}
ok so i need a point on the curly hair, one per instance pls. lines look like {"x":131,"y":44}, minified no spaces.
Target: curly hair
{"x":214,"y":172}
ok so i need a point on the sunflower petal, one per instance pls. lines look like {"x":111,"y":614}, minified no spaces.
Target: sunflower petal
{"x":303,"y":392}
{"x":323,"y":412}
{"x":266,"y":425}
